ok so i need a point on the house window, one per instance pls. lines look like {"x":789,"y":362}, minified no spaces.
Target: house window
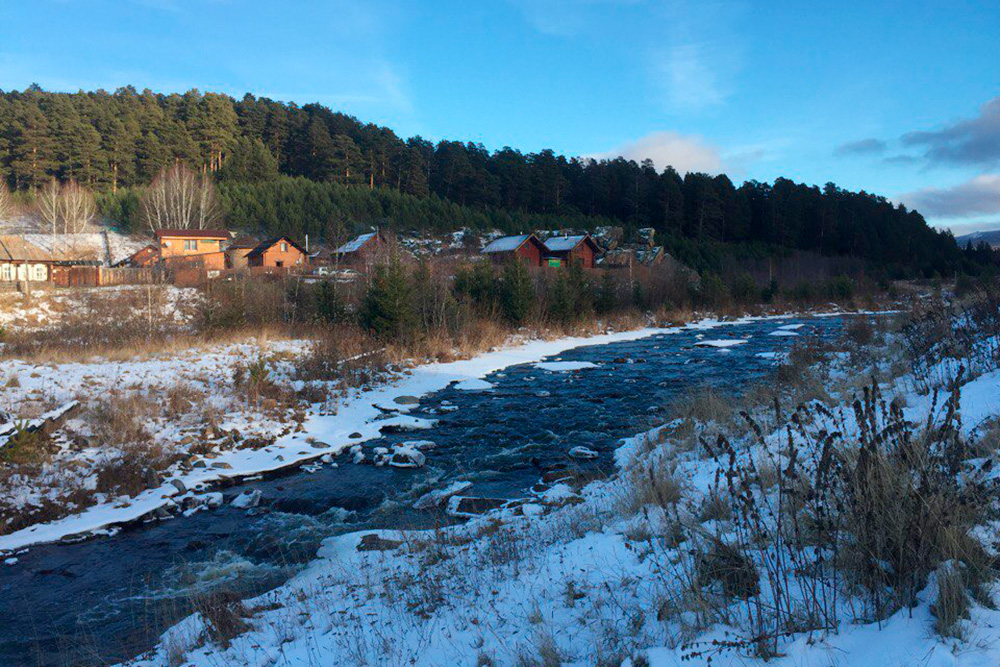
{"x":6,"y":272}
{"x":191,"y":244}
{"x":284,"y":247}
{"x":40,"y":272}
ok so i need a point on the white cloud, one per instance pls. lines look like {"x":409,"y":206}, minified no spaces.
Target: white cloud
{"x":700,"y":55}
{"x":979,"y":196}
{"x":683,"y":153}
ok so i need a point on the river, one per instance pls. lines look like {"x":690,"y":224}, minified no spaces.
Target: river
{"x":108,"y":598}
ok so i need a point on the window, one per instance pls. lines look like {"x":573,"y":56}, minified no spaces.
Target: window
{"x":284,"y":247}
{"x":191,"y":244}
{"x":40,"y":273}
{"x":6,"y":272}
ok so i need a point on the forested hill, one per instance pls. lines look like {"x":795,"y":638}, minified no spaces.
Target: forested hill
{"x":118,"y":141}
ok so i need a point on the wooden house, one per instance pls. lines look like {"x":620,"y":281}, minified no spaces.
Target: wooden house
{"x":279,"y":252}
{"x":362,"y":249}
{"x":189,"y":242}
{"x":526,"y":248}
{"x":21,"y":261}
{"x":580,"y":250}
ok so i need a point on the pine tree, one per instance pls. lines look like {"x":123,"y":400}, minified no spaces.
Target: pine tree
{"x":387,"y":309}
{"x":517,"y":293}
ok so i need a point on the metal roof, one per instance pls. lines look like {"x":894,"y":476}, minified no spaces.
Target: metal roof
{"x":564,"y":243}
{"x":264,"y":246}
{"x":506,"y":243}
{"x":192,"y":233}
{"x":356,"y":243}
{"x":17,"y":249}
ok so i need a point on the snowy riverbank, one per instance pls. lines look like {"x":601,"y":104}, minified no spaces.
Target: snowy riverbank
{"x":585,"y":575}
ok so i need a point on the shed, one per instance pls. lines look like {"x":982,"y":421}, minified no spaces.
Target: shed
{"x":236,"y":254}
{"x":525,"y":247}
{"x":579,"y":249}
{"x":279,"y":252}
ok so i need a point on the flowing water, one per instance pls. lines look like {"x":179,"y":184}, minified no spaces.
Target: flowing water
{"x":108,"y":598}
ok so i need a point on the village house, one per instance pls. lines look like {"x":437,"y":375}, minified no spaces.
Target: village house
{"x":187,"y":242}
{"x":22,"y":261}
{"x":362,"y":249}
{"x":187,"y":248}
{"x":279,"y":252}
{"x":580,"y":250}
{"x":526,"y":248}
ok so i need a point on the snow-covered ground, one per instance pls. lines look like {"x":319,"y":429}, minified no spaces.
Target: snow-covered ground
{"x":95,"y":305}
{"x":590,"y":575}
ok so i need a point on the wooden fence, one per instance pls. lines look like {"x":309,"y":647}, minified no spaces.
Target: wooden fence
{"x":100,"y":276}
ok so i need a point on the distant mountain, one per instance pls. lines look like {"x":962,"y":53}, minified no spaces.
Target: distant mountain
{"x":992,"y":237}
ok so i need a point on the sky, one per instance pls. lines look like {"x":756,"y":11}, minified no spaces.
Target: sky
{"x":897,"y":98}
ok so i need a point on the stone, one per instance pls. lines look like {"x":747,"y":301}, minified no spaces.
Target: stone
{"x":179,"y":485}
{"x":222,"y":465}
{"x":247,"y":499}
{"x":373,"y":542}
{"x":470,"y":506}
{"x":355,"y":436}
{"x":319,"y":444}
{"x":583,"y":453}
{"x":407,"y":457}
{"x":406,"y":400}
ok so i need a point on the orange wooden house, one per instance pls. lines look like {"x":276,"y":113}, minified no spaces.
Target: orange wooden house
{"x":279,"y":252}
{"x":188,"y":247}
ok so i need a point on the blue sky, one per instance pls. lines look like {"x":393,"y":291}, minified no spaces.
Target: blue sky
{"x":899,"y":98}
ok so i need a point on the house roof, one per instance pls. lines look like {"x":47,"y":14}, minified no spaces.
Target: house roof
{"x":17,"y":249}
{"x":192,"y":233}
{"x":263,"y":246}
{"x":565,"y":243}
{"x":356,"y":243}
{"x":244,"y":242}
{"x":508,"y":243}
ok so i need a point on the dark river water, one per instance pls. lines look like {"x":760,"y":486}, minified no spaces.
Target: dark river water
{"x":108,"y":598}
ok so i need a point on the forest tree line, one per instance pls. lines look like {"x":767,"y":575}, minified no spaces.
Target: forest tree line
{"x":276,"y":162}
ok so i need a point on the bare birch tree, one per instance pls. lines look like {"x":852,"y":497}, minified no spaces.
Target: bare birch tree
{"x":66,"y":208}
{"x":77,"y":208}
{"x":178,"y":198}
{"x":47,"y":202}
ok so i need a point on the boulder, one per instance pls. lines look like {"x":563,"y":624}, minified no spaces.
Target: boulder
{"x":469,"y":506}
{"x":583,"y":453}
{"x":247,"y":499}
{"x":438,"y":497}
{"x":179,"y":485}
{"x":406,"y":400}
{"x":407,"y":457}
{"x":373,"y":542}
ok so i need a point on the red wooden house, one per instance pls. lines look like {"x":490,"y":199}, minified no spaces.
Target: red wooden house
{"x":580,"y":250}
{"x":526,"y":248}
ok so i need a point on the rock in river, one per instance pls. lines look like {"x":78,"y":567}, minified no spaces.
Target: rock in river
{"x":583,"y":453}
{"x":247,"y":499}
